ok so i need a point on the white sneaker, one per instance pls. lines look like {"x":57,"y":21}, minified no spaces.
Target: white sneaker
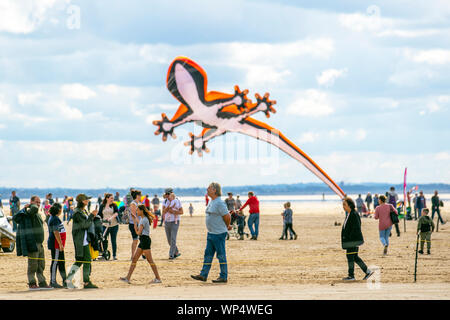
{"x":155,"y":281}
{"x":69,"y":284}
{"x":125,"y":280}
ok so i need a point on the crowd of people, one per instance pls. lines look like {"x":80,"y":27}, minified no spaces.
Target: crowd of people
{"x":142,"y":214}
{"x":387,"y":213}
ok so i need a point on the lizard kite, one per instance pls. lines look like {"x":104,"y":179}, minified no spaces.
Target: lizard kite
{"x":219,"y":113}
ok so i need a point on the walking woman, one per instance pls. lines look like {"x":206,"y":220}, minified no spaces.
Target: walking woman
{"x":352,"y":238}
{"x":383,"y":214}
{"x":108,"y":211}
{"x":82,"y":222}
{"x":136,"y":195}
{"x":56,"y":243}
{"x":142,"y":228}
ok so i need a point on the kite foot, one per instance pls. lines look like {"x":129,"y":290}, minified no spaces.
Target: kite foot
{"x":243,"y":98}
{"x":265,"y":105}
{"x":165,"y":127}
{"x":196,"y":144}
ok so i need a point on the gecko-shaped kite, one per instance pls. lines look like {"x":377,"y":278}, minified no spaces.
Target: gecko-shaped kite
{"x":219,"y":113}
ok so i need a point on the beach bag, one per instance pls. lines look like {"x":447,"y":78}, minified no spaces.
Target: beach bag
{"x":441,"y":203}
{"x":126,"y":215}
{"x":394,"y":217}
{"x":364,"y":208}
{"x":392,"y":200}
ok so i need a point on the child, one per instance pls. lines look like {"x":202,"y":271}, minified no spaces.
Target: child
{"x":287,"y":221}
{"x":46,"y":211}
{"x":142,"y":228}
{"x":425,"y":227}
{"x":191,"y":209}
{"x":240,"y":218}
{"x":56,"y":244}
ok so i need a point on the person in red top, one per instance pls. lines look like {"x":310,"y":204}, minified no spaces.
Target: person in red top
{"x":383,"y":214}
{"x":253,"y":220}
{"x":206,"y":199}
{"x":147,"y":202}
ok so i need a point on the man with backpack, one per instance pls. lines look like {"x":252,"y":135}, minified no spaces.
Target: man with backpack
{"x":392,"y":198}
{"x":425,"y":227}
{"x":435,"y":204}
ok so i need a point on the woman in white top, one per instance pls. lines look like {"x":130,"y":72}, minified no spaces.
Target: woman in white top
{"x":136,"y":195}
{"x":108,"y":211}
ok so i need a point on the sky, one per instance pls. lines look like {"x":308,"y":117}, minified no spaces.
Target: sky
{"x":362,"y":87}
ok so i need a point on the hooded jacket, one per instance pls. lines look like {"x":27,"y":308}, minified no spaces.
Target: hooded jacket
{"x":82,"y":222}
{"x":25,"y":241}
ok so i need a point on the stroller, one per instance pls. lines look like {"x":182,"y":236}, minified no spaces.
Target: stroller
{"x":234,"y":232}
{"x":101,"y":241}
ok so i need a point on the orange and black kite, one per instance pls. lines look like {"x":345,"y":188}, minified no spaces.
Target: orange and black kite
{"x":219,"y":113}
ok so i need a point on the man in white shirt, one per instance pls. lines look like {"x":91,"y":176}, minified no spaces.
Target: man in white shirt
{"x":171,"y":212}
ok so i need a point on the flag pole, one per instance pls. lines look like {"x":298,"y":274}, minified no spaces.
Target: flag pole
{"x":404,"y":201}
{"x":415,"y":264}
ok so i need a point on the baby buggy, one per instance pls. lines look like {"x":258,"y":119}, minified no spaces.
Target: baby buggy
{"x":101,"y":240}
{"x":234,"y":232}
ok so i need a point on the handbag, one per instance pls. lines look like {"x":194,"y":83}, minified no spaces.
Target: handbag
{"x":394,"y":216}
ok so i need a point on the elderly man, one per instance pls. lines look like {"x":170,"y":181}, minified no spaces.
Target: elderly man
{"x":36,"y":256}
{"x":217,"y":223}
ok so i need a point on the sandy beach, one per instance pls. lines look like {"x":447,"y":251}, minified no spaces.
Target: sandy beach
{"x":310,"y":267}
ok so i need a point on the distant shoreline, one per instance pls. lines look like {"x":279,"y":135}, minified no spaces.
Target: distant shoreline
{"x":269,"y":190}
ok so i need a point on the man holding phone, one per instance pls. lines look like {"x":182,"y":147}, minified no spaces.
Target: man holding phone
{"x":82,"y":223}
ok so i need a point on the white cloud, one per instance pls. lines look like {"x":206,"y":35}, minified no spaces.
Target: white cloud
{"x":335,"y":135}
{"x":401,"y":33}
{"x":369,"y":21}
{"x":311,"y":103}
{"x":151,"y":117}
{"x":165,"y":106}
{"x":5,"y":109}
{"x":77,"y":91}
{"x":360,"y":135}
{"x":24,"y":16}
{"x":269,"y":63}
{"x":63,"y":110}
{"x":241,"y":53}
{"x":327,"y":77}
{"x":264,"y":75}
{"x":445,"y":156}
{"x":435,"y":104}
{"x":385,"y":167}
{"x":339,"y":134}
{"x":411,"y":77}
{"x":309,"y":137}
{"x":28,"y":98}
{"x":431,"y":56}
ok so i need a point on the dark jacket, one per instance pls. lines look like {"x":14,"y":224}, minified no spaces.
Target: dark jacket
{"x":435,"y":202}
{"x":351,"y":235}
{"x":25,"y":242}
{"x":82,"y":221}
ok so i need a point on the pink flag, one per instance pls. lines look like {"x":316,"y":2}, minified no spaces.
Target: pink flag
{"x":404,"y":189}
